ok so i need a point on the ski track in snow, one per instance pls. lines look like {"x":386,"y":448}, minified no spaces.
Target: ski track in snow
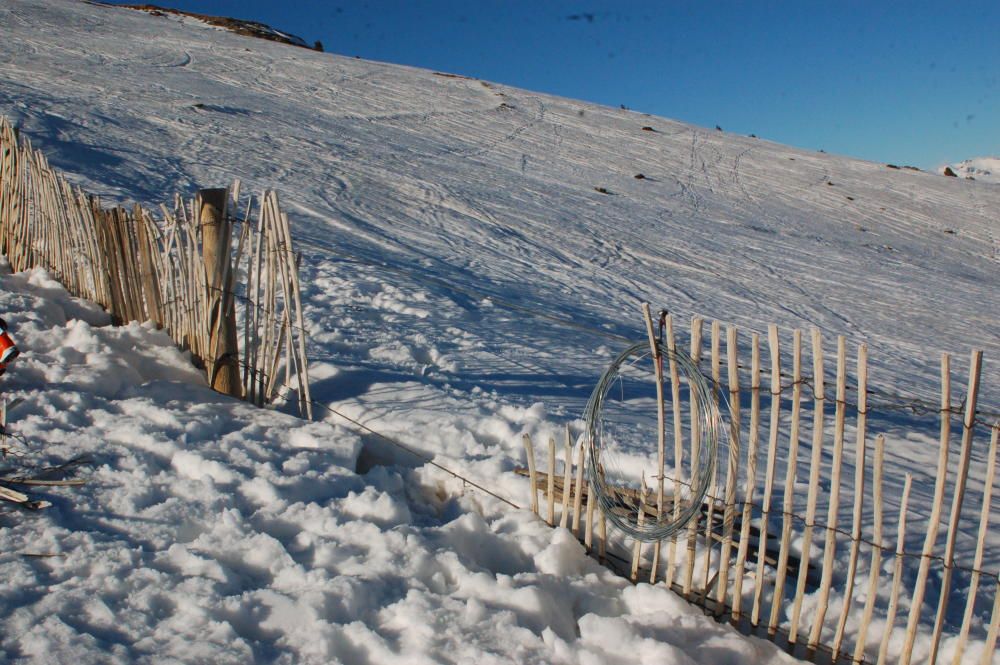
{"x":464,"y":282}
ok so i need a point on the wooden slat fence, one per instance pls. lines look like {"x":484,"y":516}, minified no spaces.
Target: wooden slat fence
{"x":819,"y":578}
{"x":244,"y":288}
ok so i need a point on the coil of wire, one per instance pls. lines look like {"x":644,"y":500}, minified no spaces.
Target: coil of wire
{"x":621,"y":504}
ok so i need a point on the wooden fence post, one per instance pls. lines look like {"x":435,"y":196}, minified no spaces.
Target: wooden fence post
{"x":223,"y":360}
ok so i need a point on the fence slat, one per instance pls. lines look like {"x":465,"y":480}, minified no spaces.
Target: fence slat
{"x":305,"y":395}
{"x":529,"y":452}
{"x":661,"y":434}
{"x":751,"y":478}
{"x":984,"y":524}
{"x":567,"y":485}
{"x":696,"y":325}
{"x":732,"y":469}
{"x":786,"y":506}
{"x":578,"y":499}
{"x":897,"y":573}
{"x":933,"y":524}
{"x":968,"y":428}
{"x":675,"y":396}
{"x":876,"y":564}
{"x":772,"y":454}
{"x":830,"y":544}
{"x":637,"y":546}
{"x":550,"y":486}
{"x":815,"y":459}
{"x":994,"y":630}
{"x":713,"y":488}
{"x":588,"y":531}
{"x":859,"y":497}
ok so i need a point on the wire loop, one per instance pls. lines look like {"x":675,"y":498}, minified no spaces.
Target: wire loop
{"x":619,"y":504}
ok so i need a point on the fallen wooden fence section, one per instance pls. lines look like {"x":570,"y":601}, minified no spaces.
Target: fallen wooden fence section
{"x":790,"y":575}
{"x":227,"y":291}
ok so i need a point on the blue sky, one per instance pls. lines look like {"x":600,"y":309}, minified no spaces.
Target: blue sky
{"x":903,"y":82}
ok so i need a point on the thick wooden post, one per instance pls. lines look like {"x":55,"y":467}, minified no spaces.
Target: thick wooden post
{"x":222,"y":362}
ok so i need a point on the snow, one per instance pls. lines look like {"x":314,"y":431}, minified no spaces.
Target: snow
{"x":985,"y":169}
{"x":464,"y":284}
{"x":211,"y":531}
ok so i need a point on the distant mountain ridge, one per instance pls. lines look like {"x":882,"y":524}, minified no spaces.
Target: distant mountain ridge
{"x":986,"y":169}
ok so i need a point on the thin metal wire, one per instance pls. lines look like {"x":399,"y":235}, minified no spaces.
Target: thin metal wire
{"x":618,"y":510}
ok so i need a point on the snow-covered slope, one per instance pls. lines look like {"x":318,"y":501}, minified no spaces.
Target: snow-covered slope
{"x":474,"y":255}
{"x":985,"y":169}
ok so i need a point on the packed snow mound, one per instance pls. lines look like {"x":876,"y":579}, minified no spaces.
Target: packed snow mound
{"x":986,"y":169}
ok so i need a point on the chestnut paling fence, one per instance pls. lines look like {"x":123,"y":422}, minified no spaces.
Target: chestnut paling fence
{"x":787,"y":545}
{"x":821,"y":573}
{"x":225,"y":288}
